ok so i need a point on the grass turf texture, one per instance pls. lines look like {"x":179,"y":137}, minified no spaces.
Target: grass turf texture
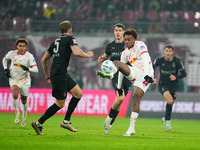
{"x":185,"y":134}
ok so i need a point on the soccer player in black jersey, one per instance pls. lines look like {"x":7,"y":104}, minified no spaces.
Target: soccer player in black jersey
{"x":171,"y":69}
{"x":113,"y":51}
{"x":60,"y":50}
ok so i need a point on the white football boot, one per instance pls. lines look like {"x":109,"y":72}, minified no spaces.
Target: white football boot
{"x":164,"y":123}
{"x":24,"y":116}
{"x":17,"y":116}
{"x":168,"y":125}
{"x":130,"y":131}
{"x":107,"y":125}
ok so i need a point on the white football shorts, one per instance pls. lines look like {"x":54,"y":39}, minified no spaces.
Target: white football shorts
{"x":24,"y":88}
{"x":137,"y":78}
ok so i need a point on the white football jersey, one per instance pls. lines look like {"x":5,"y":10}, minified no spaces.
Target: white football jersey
{"x":138,"y":56}
{"x":17,"y":73}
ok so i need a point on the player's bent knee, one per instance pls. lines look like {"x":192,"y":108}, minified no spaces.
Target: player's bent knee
{"x":170,"y":102}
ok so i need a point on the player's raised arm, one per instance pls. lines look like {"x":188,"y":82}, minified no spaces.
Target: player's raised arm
{"x":78,"y":52}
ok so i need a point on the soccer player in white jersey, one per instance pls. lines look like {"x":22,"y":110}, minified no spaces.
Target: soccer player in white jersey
{"x":22,"y":63}
{"x":140,"y":73}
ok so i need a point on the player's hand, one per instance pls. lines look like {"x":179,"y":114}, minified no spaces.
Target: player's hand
{"x":172,"y":77}
{"x":120,"y":94}
{"x":154,"y":81}
{"x":7,"y":72}
{"x":24,"y":68}
{"x":149,"y":79}
{"x":48,"y":79}
{"x":90,"y":54}
{"x":100,"y":59}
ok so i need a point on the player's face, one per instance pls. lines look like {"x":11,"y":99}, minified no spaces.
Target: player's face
{"x":118,"y":33}
{"x":168,"y":53}
{"x":21,"y":47}
{"x":129,"y":41}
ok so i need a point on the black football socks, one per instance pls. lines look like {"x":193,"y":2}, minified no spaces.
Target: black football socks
{"x":49,"y":112}
{"x":113,"y":114}
{"x":72,"y":105}
{"x":168,"y":112}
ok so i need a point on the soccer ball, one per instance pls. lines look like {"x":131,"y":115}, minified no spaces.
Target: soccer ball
{"x":108,"y":66}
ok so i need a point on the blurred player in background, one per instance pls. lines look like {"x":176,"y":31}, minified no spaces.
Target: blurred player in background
{"x":60,"y":50}
{"x":114,"y":51}
{"x":140,"y":73}
{"x":22,"y":63}
{"x":171,"y":69}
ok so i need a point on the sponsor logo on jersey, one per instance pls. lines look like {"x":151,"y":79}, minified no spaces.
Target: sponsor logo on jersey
{"x":74,"y":40}
{"x":133,"y":60}
{"x":33,"y":60}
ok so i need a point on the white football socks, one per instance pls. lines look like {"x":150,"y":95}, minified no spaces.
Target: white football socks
{"x":16,"y":105}
{"x":25,"y":110}
{"x":133,"y":119}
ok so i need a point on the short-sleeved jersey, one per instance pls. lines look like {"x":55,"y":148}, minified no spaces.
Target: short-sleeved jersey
{"x":114,"y":50}
{"x":17,"y":73}
{"x":168,"y":67}
{"x":60,"y":50}
{"x":133,"y":56}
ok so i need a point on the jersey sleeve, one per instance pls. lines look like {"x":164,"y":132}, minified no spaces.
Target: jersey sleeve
{"x":145,"y":58}
{"x":50,"y":49}
{"x":9,"y":55}
{"x":181,"y":70}
{"x":32,"y":61}
{"x":156,"y":63}
{"x":73,"y":42}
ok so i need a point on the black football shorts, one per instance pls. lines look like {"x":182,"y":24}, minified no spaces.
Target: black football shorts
{"x":172,"y":89}
{"x":126,"y":84}
{"x":61,"y":84}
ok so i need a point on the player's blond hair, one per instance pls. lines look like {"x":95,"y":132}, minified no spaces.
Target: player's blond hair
{"x":21,"y":40}
{"x":65,"y":26}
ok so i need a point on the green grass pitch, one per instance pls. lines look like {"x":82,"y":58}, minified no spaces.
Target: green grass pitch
{"x":185,"y":134}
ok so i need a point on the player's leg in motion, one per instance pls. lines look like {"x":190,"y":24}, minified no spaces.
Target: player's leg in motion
{"x":167,"y":120}
{"x":24,"y":114}
{"x":122,"y":67}
{"x":136,"y":96}
{"x":113,"y":113}
{"x":15,"y":91}
{"x":37,"y":125}
{"x":76,"y":96}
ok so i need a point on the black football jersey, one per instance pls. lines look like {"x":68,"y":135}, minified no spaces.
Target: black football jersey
{"x":114,"y":50}
{"x":174,"y":67}
{"x":60,"y":50}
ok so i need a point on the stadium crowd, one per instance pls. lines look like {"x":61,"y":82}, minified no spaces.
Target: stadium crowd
{"x":32,"y":15}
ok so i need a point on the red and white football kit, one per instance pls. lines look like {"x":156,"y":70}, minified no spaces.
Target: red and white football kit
{"x":20,"y":77}
{"x":141,"y":65}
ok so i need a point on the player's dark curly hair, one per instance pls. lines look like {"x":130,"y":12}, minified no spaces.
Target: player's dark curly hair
{"x":21,"y":40}
{"x":65,"y":26}
{"x":169,"y":46}
{"x":132,"y":32}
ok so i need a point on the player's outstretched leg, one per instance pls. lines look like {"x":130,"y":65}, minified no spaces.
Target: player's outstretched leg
{"x":104,"y":75}
{"x":107,"y":125}
{"x":37,"y":127}
{"x":67,"y":125}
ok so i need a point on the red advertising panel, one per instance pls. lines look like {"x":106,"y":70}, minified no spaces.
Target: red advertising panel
{"x":93,"y":102}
